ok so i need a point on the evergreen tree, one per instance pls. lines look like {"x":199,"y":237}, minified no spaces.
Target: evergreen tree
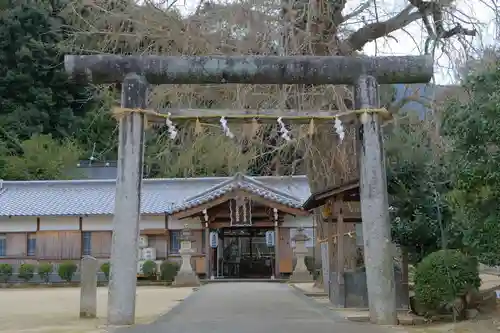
{"x":36,"y":96}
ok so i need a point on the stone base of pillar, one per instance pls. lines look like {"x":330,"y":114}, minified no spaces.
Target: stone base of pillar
{"x":186,"y":279}
{"x":301,"y":276}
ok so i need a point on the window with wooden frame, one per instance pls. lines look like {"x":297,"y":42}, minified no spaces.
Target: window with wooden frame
{"x":86,"y":243}
{"x":31,"y":244}
{"x":175,"y":241}
{"x":3,"y":245}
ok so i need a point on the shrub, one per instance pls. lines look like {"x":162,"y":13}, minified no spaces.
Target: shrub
{"x":168,"y":270}
{"x":309,"y":261}
{"x":66,"y":270}
{"x":5,"y":272}
{"x":314,"y":267}
{"x":105,"y":269}
{"x":442,"y":278}
{"x":44,"y":271}
{"x":26,"y":272}
{"x":149,"y":269}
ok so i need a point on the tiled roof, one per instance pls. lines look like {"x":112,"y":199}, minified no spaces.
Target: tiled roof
{"x":96,"y":197}
{"x":243,"y":183}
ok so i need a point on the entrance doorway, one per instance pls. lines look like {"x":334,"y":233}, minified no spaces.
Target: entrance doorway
{"x":245,"y":253}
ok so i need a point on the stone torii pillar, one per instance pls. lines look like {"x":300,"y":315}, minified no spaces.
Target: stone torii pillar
{"x":365,"y":73}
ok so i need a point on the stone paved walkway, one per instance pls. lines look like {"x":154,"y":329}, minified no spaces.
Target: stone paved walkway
{"x":250,"y":308}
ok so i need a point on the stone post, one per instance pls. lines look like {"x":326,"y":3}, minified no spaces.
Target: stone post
{"x":123,"y":274}
{"x":186,"y":275}
{"x":375,"y":207}
{"x":88,"y":287}
{"x":300,"y":272}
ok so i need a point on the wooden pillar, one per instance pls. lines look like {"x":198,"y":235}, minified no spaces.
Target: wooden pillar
{"x":277,"y":242}
{"x":208,"y":262}
{"x":339,"y":298}
{"x":330,"y":239}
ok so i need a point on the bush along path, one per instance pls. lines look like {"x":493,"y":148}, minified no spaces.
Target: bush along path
{"x":66,"y":274}
{"x":446,"y":282}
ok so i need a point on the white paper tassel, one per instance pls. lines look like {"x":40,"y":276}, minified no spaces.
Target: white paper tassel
{"x":339,"y":129}
{"x":225,"y":128}
{"x":172,"y":131}
{"x":285,"y":133}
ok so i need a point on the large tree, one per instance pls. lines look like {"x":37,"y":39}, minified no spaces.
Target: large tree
{"x":418,"y":182}
{"x":39,"y":158}
{"x":473,"y":132}
{"x":36,"y":96}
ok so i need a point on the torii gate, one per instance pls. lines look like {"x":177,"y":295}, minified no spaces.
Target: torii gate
{"x":137,"y":72}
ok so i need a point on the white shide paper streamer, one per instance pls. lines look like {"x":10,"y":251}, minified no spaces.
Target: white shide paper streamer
{"x":225,"y":128}
{"x":285,"y":133}
{"x":172,"y":131}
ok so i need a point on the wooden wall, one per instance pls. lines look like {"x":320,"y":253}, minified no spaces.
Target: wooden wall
{"x":160,"y":243}
{"x":100,"y":244}
{"x":17,"y":244}
{"x":285,"y":251}
{"x":60,"y":237}
{"x":59,"y":245}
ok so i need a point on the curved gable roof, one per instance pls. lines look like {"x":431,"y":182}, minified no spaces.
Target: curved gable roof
{"x":242,"y":182}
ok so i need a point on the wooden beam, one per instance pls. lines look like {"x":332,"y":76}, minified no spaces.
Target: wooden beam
{"x":335,"y":236}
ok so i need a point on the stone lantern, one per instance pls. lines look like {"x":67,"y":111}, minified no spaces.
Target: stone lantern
{"x":186,"y":275}
{"x":300,"y":272}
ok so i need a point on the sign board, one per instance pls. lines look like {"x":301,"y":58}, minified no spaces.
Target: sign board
{"x":270,"y":238}
{"x":214,"y":240}
{"x":325,"y":265}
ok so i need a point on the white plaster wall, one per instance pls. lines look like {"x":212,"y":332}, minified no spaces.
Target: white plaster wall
{"x":152,"y":222}
{"x":174,"y":224}
{"x":97,"y":223}
{"x":17,"y":224}
{"x":297,"y":221}
{"x":105,"y":222}
{"x":59,"y":223}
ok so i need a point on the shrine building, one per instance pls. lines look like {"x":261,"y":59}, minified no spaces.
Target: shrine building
{"x":230,"y":216}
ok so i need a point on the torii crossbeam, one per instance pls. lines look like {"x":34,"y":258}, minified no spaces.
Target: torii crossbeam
{"x":137,"y":72}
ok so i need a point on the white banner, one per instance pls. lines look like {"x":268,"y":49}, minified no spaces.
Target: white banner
{"x":214,"y":239}
{"x":270,"y":238}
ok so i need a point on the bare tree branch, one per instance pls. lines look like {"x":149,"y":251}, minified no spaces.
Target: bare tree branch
{"x":361,"y":8}
{"x":372,"y":31}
